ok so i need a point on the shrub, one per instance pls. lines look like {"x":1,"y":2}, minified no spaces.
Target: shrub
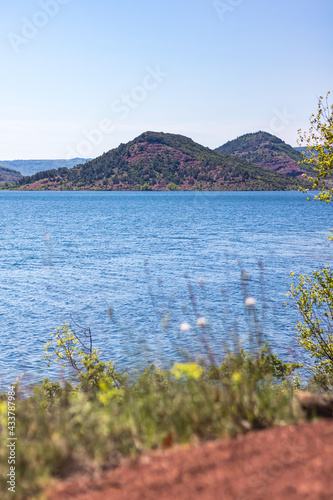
{"x":313,"y":296}
{"x":172,"y":187}
{"x":75,"y":352}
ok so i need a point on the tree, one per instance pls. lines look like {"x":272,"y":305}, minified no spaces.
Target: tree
{"x":314,"y":299}
{"x":319,"y":143}
{"x":313,"y":294}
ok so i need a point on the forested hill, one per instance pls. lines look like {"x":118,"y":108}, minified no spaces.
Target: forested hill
{"x":31,"y":167}
{"x":159,"y":161}
{"x":268,"y":151}
{"x":9,"y":175}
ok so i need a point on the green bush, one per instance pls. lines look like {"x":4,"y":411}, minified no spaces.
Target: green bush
{"x":172,"y":187}
{"x":313,"y":296}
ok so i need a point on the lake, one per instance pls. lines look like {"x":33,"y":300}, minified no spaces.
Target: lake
{"x":155,"y":259}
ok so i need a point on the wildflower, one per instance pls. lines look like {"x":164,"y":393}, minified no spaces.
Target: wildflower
{"x":201,"y":322}
{"x":236,"y":377}
{"x":187,"y":370}
{"x":250,"y":301}
{"x":185,"y":327}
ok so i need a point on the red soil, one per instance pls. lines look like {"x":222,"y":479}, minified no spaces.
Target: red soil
{"x":292,"y":462}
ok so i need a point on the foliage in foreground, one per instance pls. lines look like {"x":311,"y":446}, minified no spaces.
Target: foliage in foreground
{"x":66,"y":428}
{"x":313,"y":296}
{"x":319,"y":154}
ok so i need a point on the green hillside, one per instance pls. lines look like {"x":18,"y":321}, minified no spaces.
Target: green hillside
{"x":31,"y":167}
{"x":7,"y":175}
{"x":159,"y":161}
{"x":268,"y":151}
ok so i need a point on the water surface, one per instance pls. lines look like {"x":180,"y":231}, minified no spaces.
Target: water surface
{"x":75,"y":255}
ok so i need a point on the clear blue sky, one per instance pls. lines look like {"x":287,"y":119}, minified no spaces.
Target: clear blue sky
{"x":210,"y":71}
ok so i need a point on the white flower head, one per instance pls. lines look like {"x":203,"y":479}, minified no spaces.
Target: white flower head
{"x":250,"y":301}
{"x":202,"y":322}
{"x":185,"y":327}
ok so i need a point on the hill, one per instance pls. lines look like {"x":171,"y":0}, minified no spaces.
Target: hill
{"x":268,"y":151}
{"x":9,"y":175}
{"x":30,"y":167}
{"x":159,"y":161}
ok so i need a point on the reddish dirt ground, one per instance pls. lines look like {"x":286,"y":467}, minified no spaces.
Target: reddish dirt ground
{"x":289,"y":463}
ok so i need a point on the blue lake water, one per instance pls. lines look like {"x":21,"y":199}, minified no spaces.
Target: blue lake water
{"x":75,"y":255}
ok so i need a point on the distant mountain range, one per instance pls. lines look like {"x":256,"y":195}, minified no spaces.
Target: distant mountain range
{"x":30,"y":167}
{"x":305,"y":150}
{"x":268,"y":151}
{"x":160,"y":161}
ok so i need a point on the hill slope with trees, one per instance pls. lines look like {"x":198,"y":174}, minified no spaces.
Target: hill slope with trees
{"x":9,"y":175}
{"x":31,"y":167}
{"x":267,"y":151}
{"x":159,"y":161}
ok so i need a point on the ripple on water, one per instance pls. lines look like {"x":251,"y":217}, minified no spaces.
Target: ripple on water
{"x":66,"y":255}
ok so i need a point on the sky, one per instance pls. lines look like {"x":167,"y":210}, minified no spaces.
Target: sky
{"x":79,"y":77}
